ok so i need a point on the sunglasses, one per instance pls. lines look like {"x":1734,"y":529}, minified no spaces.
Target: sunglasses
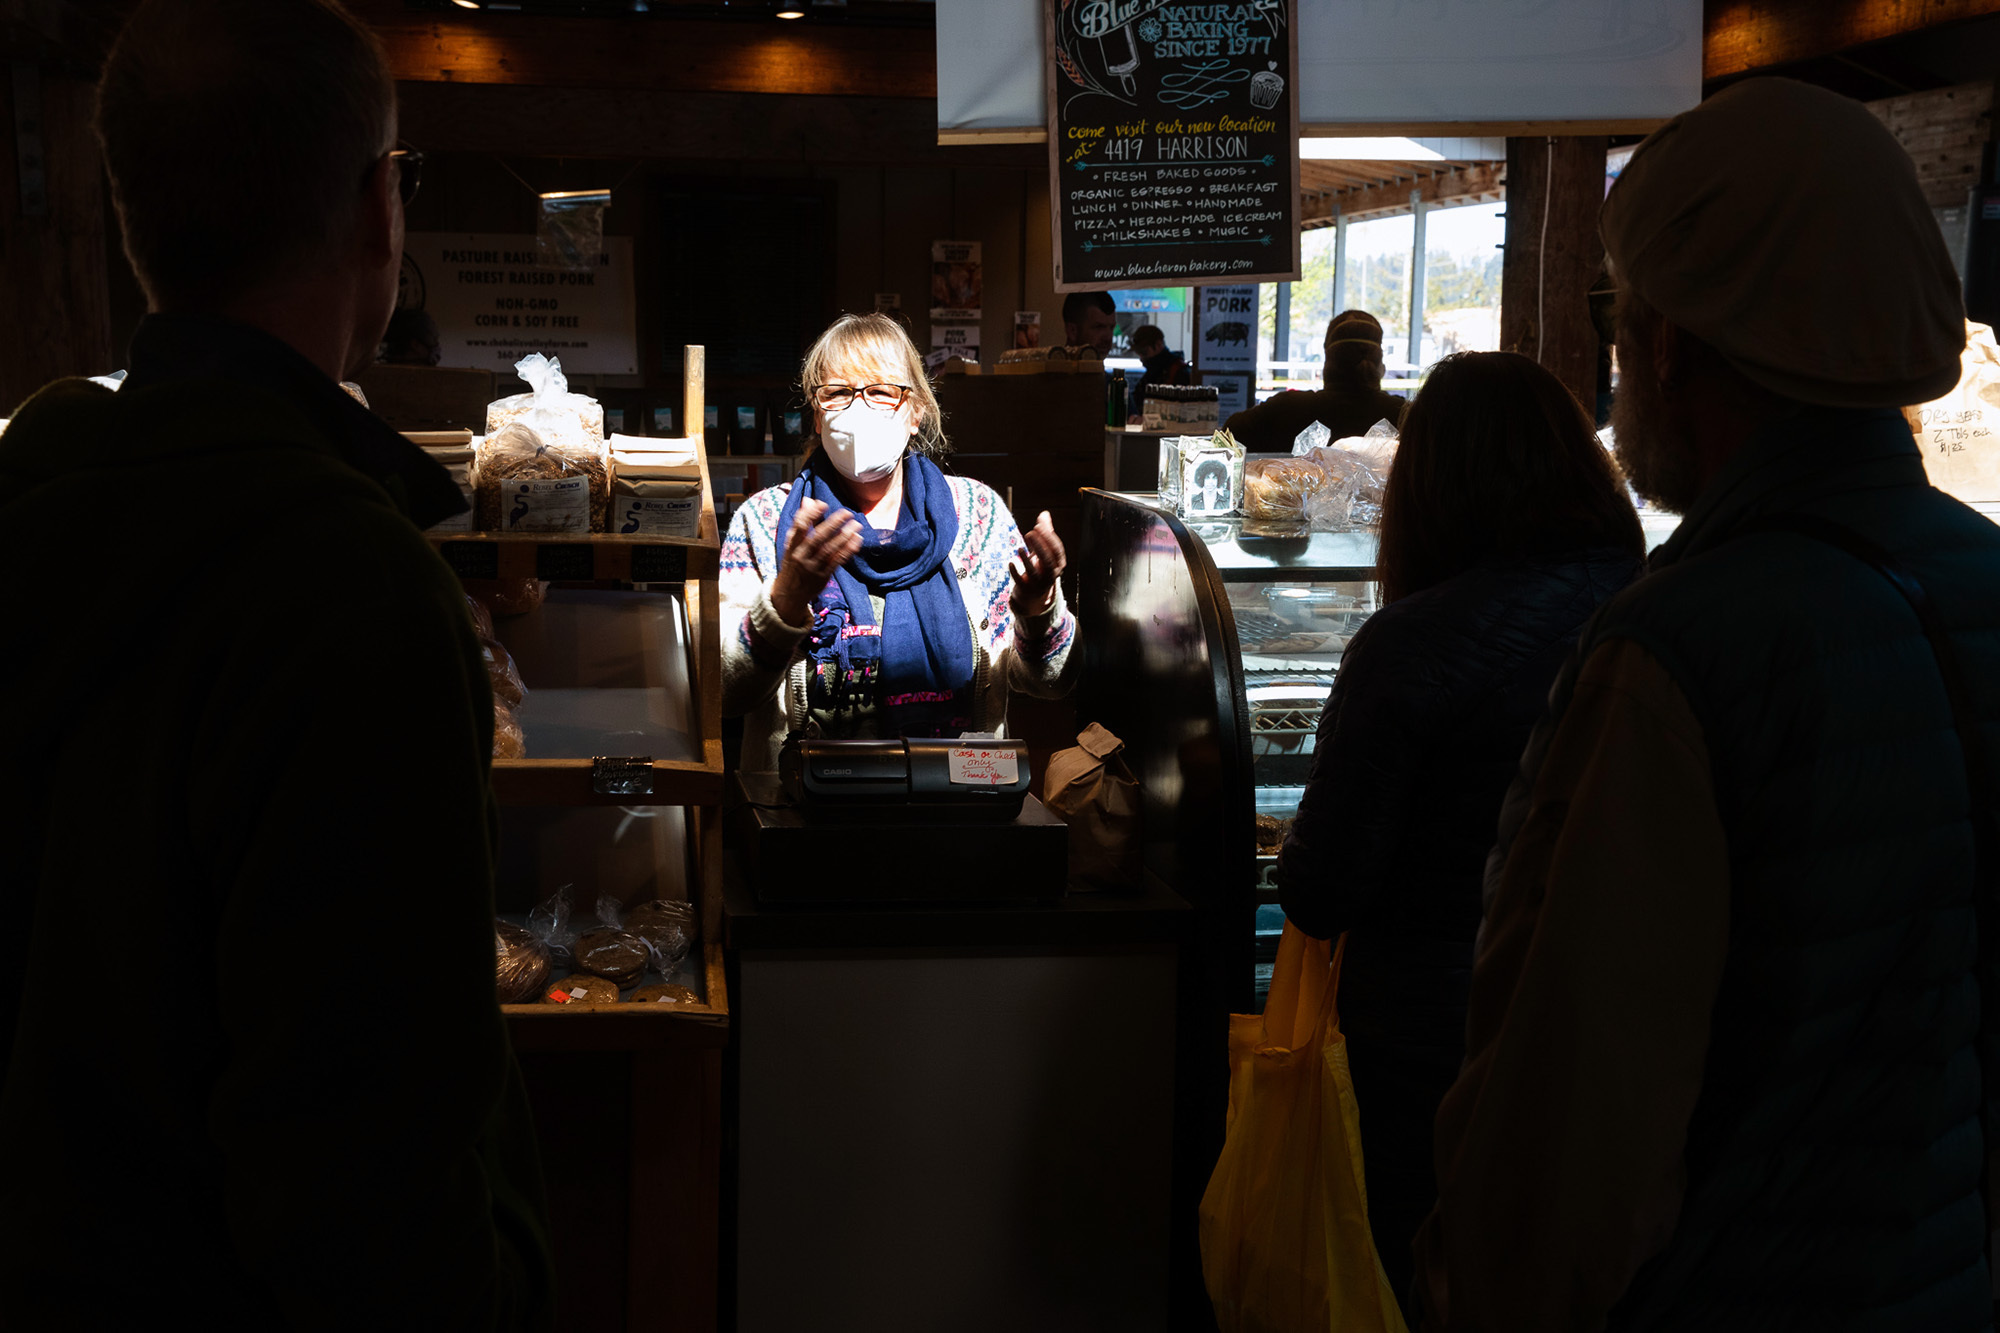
{"x":409,"y":170}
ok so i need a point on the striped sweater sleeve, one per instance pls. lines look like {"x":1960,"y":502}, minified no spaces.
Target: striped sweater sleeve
{"x":757,"y":644}
{"x":1032,"y":654}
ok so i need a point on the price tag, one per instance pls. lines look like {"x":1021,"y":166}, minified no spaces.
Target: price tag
{"x":977,"y":766}
{"x":622,"y":775}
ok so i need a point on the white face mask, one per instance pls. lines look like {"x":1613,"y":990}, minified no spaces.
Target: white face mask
{"x":865,"y":444}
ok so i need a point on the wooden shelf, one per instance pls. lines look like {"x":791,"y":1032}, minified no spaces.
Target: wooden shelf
{"x":580,"y":558}
{"x":617,"y":675}
{"x":569,"y":782}
{"x":590,"y":557}
{"x":626,"y":1027}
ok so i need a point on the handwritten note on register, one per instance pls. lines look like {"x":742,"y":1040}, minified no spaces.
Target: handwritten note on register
{"x":972,"y":766}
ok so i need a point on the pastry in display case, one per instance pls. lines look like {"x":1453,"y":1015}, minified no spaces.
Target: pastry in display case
{"x":1291,"y":634}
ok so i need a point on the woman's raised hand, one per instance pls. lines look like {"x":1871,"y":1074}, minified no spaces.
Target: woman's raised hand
{"x":1036,"y":566}
{"x":817,"y":544}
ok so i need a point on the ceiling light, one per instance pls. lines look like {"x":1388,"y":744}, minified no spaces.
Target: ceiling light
{"x":466,"y":4}
{"x":1367,"y":150}
{"x":790,"y":11}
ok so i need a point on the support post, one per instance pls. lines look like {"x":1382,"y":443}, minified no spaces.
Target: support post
{"x":1414,"y":354}
{"x":1339,"y":262}
{"x":1281,"y":328}
{"x":1555,"y":189}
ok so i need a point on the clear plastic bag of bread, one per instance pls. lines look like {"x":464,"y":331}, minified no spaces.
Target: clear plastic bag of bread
{"x":508,"y":740}
{"x":517,"y":452}
{"x":482,"y":616}
{"x":568,"y":425}
{"x":501,"y":673}
{"x":1315,"y":435}
{"x":1278,"y":495}
{"x":550,"y":923}
{"x":506,"y":597}
{"x":609,"y":949}
{"x":566,"y":420}
{"x":521,"y":963}
{"x":668,"y":926}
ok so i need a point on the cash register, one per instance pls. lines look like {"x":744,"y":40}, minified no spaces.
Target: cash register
{"x":980,"y":781}
{"x":932,"y":821}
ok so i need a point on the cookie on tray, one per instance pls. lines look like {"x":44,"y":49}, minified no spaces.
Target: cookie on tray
{"x":616,"y":955}
{"x":665,"y":994}
{"x":581,"y":988}
{"x":665,"y":924}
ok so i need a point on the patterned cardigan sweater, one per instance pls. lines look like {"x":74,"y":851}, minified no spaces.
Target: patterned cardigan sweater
{"x":763,"y":658}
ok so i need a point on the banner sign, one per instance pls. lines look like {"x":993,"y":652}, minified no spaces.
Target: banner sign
{"x":1173,"y":142}
{"x":494,"y":301}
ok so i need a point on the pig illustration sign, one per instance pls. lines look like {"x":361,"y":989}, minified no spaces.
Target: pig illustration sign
{"x":1226,"y":329}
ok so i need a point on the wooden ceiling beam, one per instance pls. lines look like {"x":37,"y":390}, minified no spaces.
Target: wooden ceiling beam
{"x":624,"y":123}
{"x":1474,"y":183}
{"x":655,"y":54}
{"x":1742,"y":36}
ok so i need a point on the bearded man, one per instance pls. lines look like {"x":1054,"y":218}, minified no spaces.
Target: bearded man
{"x":1729,"y":1057}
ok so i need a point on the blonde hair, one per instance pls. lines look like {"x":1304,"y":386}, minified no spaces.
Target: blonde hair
{"x":877,"y":341}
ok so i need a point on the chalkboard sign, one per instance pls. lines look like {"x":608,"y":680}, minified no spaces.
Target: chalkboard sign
{"x":1173,"y":142}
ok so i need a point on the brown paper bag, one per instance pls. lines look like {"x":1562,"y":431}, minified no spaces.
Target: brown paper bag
{"x":1959,"y":434}
{"x":1093,"y":788}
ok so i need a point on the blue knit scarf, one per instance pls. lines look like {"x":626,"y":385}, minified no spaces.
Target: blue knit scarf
{"x":917,"y":664}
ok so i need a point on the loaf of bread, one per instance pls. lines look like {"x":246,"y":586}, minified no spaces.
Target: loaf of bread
{"x":1279,"y":491}
{"x":523,"y":964}
{"x":508,"y":742}
{"x":482,"y":619}
{"x":501,"y":673}
{"x":516,"y":453}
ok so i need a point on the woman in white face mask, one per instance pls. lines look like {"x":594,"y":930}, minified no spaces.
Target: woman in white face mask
{"x":875,"y":595}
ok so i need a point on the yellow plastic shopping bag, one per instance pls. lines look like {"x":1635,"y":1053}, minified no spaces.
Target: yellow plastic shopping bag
{"x":1285,"y":1245}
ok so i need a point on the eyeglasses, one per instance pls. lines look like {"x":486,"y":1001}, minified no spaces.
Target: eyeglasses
{"x":410,"y":170}
{"x":881,"y":397}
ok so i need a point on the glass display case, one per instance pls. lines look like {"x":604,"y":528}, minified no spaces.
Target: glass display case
{"x":1211,"y":652}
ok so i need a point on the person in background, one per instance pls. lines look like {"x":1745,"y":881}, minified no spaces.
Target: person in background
{"x":1351,"y":401}
{"x":411,"y":339}
{"x":1160,"y":366}
{"x":253,"y":1068}
{"x":1504,"y":527}
{"x":1089,"y":320}
{"x":1730,"y":1054}
{"x":875,"y":596}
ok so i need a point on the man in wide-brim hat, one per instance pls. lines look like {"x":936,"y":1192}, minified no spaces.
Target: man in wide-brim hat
{"x":1727,"y":1059}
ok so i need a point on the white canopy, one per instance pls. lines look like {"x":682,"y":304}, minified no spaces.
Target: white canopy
{"x":1401,"y":64}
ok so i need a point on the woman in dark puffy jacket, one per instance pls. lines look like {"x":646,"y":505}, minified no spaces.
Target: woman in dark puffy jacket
{"x":1504,"y":527}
